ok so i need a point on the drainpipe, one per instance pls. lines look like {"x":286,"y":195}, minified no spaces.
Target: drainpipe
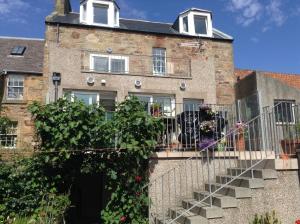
{"x":56,"y":78}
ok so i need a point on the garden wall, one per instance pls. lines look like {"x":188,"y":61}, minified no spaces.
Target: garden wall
{"x":281,"y":195}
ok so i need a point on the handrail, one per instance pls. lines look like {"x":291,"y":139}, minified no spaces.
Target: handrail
{"x":255,"y":133}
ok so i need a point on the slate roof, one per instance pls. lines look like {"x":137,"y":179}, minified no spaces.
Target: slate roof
{"x":132,"y":25}
{"x":292,"y":80}
{"x":30,"y":62}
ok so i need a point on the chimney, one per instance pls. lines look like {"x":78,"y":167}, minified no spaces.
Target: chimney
{"x":62,"y":7}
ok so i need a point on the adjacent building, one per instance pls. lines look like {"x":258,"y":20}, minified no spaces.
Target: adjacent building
{"x":22,"y":82}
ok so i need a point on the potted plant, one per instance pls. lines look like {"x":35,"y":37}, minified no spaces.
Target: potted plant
{"x":240,"y":137}
{"x":156,"y":110}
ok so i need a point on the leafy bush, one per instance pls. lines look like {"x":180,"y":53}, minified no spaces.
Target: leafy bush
{"x":266,"y":219}
{"x":69,"y":133}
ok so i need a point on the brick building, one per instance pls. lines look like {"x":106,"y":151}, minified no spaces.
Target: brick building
{"x":22,"y":82}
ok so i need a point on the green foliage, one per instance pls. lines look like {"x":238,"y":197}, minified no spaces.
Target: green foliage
{"x":37,"y":187}
{"x":66,"y":125}
{"x":4,"y":124}
{"x":25,"y":188}
{"x":266,"y":219}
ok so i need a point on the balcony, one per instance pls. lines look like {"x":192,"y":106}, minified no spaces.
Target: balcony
{"x":137,"y":65}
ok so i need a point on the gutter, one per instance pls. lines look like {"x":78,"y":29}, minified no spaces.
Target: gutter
{"x":136,"y":31}
{"x":6,"y":72}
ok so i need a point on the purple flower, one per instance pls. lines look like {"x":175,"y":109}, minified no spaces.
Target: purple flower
{"x":206,"y":142}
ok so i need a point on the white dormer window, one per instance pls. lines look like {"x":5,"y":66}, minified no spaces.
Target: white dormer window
{"x":196,"y":22}
{"x":99,"y":13}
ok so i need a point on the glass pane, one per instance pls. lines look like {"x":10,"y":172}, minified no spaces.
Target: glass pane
{"x":101,"y":64}
{"x":146,"y":101}
{"x":87,"y":98}
{"x":166,"y":104}
{"x":118,"y":65}
{"x":284,"y":111}
{"x":186,"y":24}
{"x":100,"y":14}
{"x":200,"y":24}
{"x":159,"y":60}
{"x":191,"y":104}
{"x":108,"y":104}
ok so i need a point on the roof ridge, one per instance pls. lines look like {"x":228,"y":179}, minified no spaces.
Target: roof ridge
{"x":147,"y":21}
{"x":21,"y":38}
{"x":270,"y":72}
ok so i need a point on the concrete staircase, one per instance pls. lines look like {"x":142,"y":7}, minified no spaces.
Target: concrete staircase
{"x":242,"y":186}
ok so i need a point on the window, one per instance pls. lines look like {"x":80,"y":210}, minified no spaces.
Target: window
{"x":284,"y":111}
{"x":159,"y":61}
{"x":18,"y":50}
{"x":15,"y":87}
{"x":9,"y":138}
{"x":166,"y":104}
{"x":192,"y":104}
{"x":100,"y":14}
{"x":185,"y":24}
{"x":88,"y":98}
{"x":200,"y":24}
{"x":109,"y":63}
{"x":84,"y":13}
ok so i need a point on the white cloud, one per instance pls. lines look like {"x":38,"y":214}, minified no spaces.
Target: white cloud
{"x":14,"y":10}
{"x":254,"y":40}
{"x":276,"y":14}
{"x":248,"y":10}
{"x":131,"y":12}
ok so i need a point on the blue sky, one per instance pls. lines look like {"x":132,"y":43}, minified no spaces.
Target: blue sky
{"x":266,"y":32}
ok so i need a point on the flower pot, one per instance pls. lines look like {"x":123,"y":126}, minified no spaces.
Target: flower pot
{"x":240,"y":142}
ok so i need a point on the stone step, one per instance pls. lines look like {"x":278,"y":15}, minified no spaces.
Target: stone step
{"x":218,"y":200}
{"x":265,"y":174}
{"x":236,"y":192}
{"x":187,"y":217}
{"x":265,"y":164}
{"x":246,"y":182}
{"x":164,"y":220}
{"x":203,"y":209}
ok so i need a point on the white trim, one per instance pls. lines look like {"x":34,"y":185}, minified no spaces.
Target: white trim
{"x":112,"y":8}
{"x":191,"y":23}
{"x":7,"y":86}
{"x":159,"y":73}
{"x":21,"y":38}
{"x":110,"y":57}
{"x":73,"y":92}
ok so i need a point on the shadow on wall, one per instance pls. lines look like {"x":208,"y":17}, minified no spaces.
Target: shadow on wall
{"x":1,"y":89}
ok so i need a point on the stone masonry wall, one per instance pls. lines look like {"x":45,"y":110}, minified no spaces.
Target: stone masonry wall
{"x":212,"y":65}
{"x":34,"y":90}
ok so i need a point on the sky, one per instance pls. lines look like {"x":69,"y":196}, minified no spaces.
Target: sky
{"x":266,"y":32}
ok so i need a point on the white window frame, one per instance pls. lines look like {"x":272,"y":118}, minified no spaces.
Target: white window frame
{"x":7,"y":87}
{"x":74,"y":92}
{"x":166,"y":67}
{"x":191,"y":23}
{"x":173,"y":104}
{"x":113,"y":14}
{"x":6,"y":135}
{"x":84,"y":12}
{"x":110,"y":57}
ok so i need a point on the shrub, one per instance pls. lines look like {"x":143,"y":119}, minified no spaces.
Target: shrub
{"x":266,"y":219}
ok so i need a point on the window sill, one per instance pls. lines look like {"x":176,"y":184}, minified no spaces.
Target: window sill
{"x":129,"y":74}
{"x":8,"y":101}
